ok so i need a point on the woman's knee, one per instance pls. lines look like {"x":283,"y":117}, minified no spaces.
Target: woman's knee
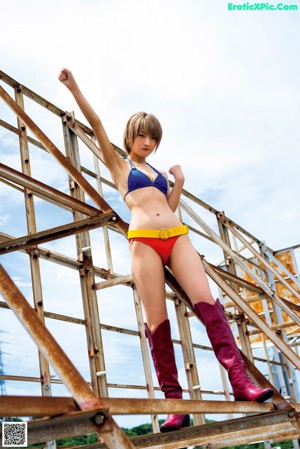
{"x":153,"y":324}
{"x":155,"y":313}
{"x":202,"y":297}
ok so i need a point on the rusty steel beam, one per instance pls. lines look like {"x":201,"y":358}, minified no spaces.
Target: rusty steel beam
{"x":127,"y":406}
{"x":281,"y":433}
{"x":127,"y":279}
{"x":41,"y":146}
{"x":290,"y":304}
{"x":64,"y":368}
{"x":253,"y":427}
{"x":237,"y":280}
{"x":72,"y":379}
{"x":35,"y":406}
{"x":280,"y":266}
{"x":76,"y":424}
{"x":30,"y":94}
{"x":15,"y":130}
{"x":109,"y":385}
{"x":34,"y":262}
{"x":38,"y":99}
{"x":73,"y":172}
{"x":234,"y":256}
{"x":275,"y":327}
{"x":59,"y":232}
{"x":58,"y":258}
{"x":76,"y":129}
{"x":46,"y":192}
{"x":50,"y":406}
{"x":26,"y":378}
{"x":65,"y":261}
{"x":256,"y":254}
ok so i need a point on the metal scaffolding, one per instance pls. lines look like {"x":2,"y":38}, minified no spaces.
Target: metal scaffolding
{"x":259,"y":288}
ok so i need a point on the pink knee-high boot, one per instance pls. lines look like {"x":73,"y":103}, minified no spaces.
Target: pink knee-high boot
{"x":163,"y":355}
{"x":228,"y":354}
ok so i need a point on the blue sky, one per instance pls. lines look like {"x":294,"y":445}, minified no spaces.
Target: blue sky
{"x":225,"y":85}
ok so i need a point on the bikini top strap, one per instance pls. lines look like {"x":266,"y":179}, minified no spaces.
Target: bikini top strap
{"x":154,"y":168}
{"x":130,"y":162}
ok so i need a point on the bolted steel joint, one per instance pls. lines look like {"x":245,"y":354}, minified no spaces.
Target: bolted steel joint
{"x":99,"y":419}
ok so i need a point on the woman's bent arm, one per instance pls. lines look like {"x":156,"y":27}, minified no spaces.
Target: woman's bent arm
{"x":174,"y":197}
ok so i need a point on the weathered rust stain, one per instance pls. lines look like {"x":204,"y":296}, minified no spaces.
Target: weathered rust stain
{"x":287,"y":260}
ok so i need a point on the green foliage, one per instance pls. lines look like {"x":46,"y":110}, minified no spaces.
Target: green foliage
{"x":74,"y":441}
{"x":143,"y":429}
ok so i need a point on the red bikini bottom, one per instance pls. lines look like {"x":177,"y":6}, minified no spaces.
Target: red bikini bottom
{"x":162,"y":247}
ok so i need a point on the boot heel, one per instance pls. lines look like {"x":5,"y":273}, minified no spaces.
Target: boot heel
{"x":173,"y":422}
{"x":186,"y":421}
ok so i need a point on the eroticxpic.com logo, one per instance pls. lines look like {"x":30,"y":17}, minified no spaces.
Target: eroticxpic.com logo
{"x":261,"y":7}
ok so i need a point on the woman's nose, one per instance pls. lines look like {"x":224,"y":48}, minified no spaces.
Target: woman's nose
{"x":147,"y":140}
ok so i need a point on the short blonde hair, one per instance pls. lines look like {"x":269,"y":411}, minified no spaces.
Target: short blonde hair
{"x":142,"y":122}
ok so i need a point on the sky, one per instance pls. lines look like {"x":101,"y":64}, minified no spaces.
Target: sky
{"x":225,"y":86}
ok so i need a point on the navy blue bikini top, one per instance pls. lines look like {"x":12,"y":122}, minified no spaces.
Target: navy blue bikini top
{"x":137,"y":180}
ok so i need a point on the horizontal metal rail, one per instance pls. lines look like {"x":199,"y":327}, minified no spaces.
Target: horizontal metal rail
{"x":46,"y":192}
{"x":59,"y":232}
{"x":51,"y":406}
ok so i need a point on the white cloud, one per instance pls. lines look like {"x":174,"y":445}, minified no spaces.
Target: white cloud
{"x":4,"y":218}
{"x":21,"y":283}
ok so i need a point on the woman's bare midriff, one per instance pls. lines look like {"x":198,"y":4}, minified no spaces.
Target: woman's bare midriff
{"x":150,"y":210}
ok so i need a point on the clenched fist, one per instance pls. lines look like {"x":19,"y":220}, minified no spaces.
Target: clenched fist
{"x":177,"y":173}
{"x":66,"y":77}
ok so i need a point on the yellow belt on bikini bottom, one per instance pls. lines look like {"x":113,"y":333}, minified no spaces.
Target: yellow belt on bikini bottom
{"x":162,"y":234}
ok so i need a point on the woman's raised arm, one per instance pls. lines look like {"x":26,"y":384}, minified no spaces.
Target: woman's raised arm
{"x":110,"y":157}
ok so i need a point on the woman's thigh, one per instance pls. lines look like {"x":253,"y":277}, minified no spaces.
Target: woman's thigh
{"x":188,"y":270}
{"x":148,"y":275}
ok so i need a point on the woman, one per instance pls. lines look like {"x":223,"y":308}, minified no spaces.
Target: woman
{"x":158,"y":238}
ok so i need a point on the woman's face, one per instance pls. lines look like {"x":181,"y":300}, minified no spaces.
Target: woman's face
{"x":144,"y":144}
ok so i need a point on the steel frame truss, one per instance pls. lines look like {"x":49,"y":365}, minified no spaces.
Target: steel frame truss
{"x":244,"y":281}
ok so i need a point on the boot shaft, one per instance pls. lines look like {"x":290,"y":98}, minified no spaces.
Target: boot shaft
{"x":163,"y":355}
{"x":227,"y":352}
